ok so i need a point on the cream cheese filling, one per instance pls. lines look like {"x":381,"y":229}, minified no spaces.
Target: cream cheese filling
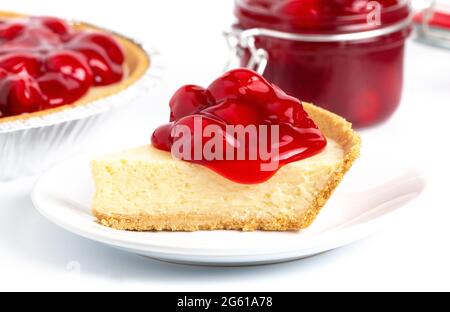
{"x":148,"y":181}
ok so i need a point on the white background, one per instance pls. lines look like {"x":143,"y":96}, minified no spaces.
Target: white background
{"x":412,"y":253}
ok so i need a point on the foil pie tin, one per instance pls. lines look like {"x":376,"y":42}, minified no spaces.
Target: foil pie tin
{"x":29,"y":146}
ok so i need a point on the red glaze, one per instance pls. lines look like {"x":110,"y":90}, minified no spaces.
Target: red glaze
{"x":242,"y":97}
{"x":67,"y":78}
{"x":20,"y":94}
{"x":186,"y":101}
{"x":15,"y":63}
{"x":57,"y":26}
{"x":45,"y":63}
{"x":9,"y":31}
{"x":360,"y":80}
{"x":104,"y":55}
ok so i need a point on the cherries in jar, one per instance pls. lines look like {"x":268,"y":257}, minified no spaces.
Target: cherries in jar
{"x":344,"y":55}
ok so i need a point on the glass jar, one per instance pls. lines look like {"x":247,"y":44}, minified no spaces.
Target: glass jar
{"x":343,"y":55}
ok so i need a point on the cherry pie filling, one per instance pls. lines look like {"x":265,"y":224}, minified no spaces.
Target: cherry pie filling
{"x":201,"y":119}
{"x":45,"y":63}
{"x":360,"y":80}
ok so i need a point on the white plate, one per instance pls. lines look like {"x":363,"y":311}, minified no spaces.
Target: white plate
{"x":64,"y":193}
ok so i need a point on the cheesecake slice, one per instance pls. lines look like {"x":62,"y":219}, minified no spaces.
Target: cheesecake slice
{"x":145,"y":189}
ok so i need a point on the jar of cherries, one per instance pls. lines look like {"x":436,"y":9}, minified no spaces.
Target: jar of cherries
{"x":344,"y":55}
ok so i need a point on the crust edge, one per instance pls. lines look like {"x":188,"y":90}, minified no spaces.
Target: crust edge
{"x":340,"y":130}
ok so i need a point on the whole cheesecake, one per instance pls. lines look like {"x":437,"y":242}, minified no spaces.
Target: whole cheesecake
{"x":146,"y":189}
{"x":48,"y":65}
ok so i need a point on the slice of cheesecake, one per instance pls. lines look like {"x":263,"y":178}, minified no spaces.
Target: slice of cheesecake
{"x":145,"y":189}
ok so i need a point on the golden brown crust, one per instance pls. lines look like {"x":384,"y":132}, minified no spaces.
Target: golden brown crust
{"x":136,"y":60}
{"x":333,"y":126}
{"x":190,"y":223}
{"x":338,"y":129}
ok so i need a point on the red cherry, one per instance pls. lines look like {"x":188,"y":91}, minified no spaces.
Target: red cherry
{"x":60,"y":89}
{"x":241,"y":84}
{"x":234,"y":112}
{"x":304,"y":13}
{"x":56,"y":25}
{"x":112,"y":48}
{"x":67,"y":78}
{"x":105,"y":71}
{"x":300,"y":8}
{"x":161,"y":137}
{"x":16,"y":63}
{"x":34,"y":39}
{"x":105,"y":56}
{"x":187,"y":100}
{"x":288,"y":109}
{"x":19,"y":94}
{"x":70,"y":64}
{"x":11,"y":30}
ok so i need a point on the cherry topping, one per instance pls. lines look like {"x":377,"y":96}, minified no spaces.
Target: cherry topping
{"x":9,"y":31}
{"x":33,"y":38}
{"x":21,"y":62}
{"x":60,"y":89}
{"x":45,"y":63}
{"x":106,"y":70}
{"x":235,"y":112}
{"x":107,"y":43}
{"x":56,"y":25}
{"x":162,"y":138}
{"x":187,"y":100}
{"x":19,"y":94}
{"x":239,"y":98}
{"x":241,"y":84}
{"x":71,"y":64}
{"x":67,"y":78}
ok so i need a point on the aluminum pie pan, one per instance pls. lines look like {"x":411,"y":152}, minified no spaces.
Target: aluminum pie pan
{"x":30,"y":145}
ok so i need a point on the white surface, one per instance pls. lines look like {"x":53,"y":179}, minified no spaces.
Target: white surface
{"x":349,"y":216}
{"x":411,"y":254}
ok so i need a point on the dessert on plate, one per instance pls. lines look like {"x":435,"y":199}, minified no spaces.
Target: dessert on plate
{"x":238,"y":155}
{"x":48,"y":65}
